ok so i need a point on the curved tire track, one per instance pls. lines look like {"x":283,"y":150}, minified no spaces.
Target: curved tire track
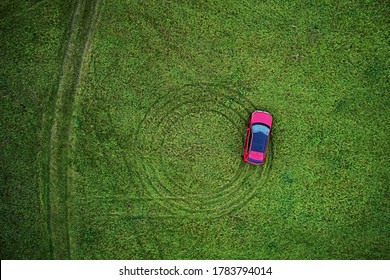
{"x":56,"y":170}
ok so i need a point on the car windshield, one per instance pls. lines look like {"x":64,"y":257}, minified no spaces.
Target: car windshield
{"x":259,"y":137}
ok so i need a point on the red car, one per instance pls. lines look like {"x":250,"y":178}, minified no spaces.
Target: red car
{"x":257,"y":137}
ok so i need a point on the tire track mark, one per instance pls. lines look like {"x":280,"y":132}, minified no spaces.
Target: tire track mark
{"x":231,"y":195}
{"x":56,"y":180}
{"x":47,"y":128}
{"x":86,"y":56}
{"x":129,"y":167}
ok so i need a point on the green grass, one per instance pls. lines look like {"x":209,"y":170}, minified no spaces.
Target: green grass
{"x":31,"y":35}
{"x":122,"y":130}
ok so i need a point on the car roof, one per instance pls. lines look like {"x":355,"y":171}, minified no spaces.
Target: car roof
{"x":259,"y":138}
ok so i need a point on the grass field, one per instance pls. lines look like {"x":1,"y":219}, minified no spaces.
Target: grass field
{"x":122,"y":127}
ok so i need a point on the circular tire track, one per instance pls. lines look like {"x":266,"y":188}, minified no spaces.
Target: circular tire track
{"x":154,"y":138}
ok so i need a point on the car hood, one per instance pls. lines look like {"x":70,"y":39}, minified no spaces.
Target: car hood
{"x":262,"y":117}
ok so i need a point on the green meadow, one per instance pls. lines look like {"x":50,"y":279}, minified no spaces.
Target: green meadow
{"x":123,"y":123}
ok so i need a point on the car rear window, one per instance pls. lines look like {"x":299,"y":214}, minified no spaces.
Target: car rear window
{"x":254,"y":160}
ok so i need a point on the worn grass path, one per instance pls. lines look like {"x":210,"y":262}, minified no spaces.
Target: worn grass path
{"x":55,"y":177}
